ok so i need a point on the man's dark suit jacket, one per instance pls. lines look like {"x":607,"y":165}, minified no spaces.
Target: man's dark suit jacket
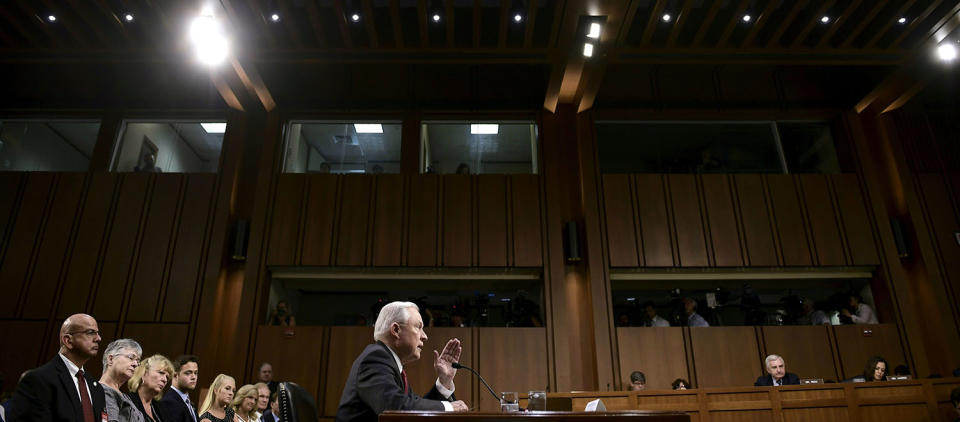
{"x":375,"y":385}
{"x":789,"y":378}
{"x":49,"y":394}
{"x":174,"y":409}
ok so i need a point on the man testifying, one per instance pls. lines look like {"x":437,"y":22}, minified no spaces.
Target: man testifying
{"x":377,"y":381}
{"x":777,"y":374}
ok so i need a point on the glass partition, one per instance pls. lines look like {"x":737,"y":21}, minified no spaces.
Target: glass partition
{"x":169,"y":147}
{"x":337,"y":147}
{"x":479,"y":148}
{"x":55,"y":145}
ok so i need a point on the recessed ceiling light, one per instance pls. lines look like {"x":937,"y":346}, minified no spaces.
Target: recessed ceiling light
{"x":825,"y":19}
{"x":214,"y":127}
{"x":666,"y":17}
{"x":484,"y":129}
{"x":211,"y":43}
{"x":594,"y":31}
{"x":902,"y":21}
{"x":355,"y":17}
{"x":368,"y":127}
{"x":436,"y":17}
{"x":51,"y":18}
{"x":587,"y":50}
{"x":746,"y":18}
{"x":517,"y":18}
{"x":947,"y":51}
{"x":128,"y":17}
{"x":275,"y":17}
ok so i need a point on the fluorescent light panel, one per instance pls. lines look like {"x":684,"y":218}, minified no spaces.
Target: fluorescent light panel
{"x":484,"y":129}
{"x":588,"y":50}
{"x":594,"y":31}
{"x":368,"y":127}
{"x":214,"y":127}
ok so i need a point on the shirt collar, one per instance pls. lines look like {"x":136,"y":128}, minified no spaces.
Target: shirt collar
{"x":71,"y":367}
{"x":395,"y":357}
{"x":183,"y":395}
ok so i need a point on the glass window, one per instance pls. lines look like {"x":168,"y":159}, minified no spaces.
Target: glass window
{"x":326,"y":147}
{"x":32,"y":145}
{"x":808,"y":147}
{"x":479,"y":148}
{"x":169,"y":147}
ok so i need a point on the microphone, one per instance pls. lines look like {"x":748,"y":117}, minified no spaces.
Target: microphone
{"x":457,"y":365}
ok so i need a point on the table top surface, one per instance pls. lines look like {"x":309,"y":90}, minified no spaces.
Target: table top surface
{"x":532,"y":414}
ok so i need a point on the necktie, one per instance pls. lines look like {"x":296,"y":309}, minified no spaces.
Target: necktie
{"x":193,"y":413}
{"x":403,"y":374}
{"x":84,"y":398}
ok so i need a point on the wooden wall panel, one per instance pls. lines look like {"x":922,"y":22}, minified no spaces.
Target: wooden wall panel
{"x":24,"y":240}
{"x":756,"y":221}
{"x":10,"y":189}
{"x":388,"y":220}
{"x":819,"y":414}
{"x":457,"y":220}
{"x":824,"y":228}
{"x":857,"y":343}
{"x":187,"y":255}
{"x":722,"y":218}
{"x":298,"y":358}
{"x":512,"y":359}
{"x":806,"y":350}
{"x":620,"y":221}
{"x":28,"y":336}
{"x":169,"y":340}
{"x":691,"y":243}
{"x":525,"y":214}
{"x":345,"y":345}
{"x":318,"y":226}
{"x":354,"y":219}
{"x":285,"y":221}
{"x":54,"y":247}
{"x":855,"y":221}
{"x":121,"y":246}
{"x":659,"y":353}
{"x":789,"y":220}
{"x":423,"y":217}
{"x":943,"y":223}
{"x":657,"y":244}
{"x":895,"y":413}
{"x":491,"y":220}
{"x":148,"y":279}
{"x":421,"y":375}
{"x":725,"y":356}
{"x":91,"y":237}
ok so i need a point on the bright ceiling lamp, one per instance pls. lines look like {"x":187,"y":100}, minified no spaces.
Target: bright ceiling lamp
{"x":368,"y":127}
{"x":594,"y":31}
{"x":484,"y":129}
{"x":214,"y":127}
{"x":208,"y":38}
{"x":947,"y":51}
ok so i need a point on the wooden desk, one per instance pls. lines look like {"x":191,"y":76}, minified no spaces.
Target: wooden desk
{"x":615,"y":416}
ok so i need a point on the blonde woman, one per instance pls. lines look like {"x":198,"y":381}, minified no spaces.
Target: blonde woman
{"x":120,"y":362}
{"x":147,"y":383}
{"x":245,"y":403}
{"x":216,"y":405}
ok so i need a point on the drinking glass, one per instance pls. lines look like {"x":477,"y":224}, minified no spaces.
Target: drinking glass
{"x":536,"y":400}
{"x":509,"y":402}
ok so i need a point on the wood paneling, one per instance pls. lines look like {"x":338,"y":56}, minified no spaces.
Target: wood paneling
{"x":345,"y":345}
{"x":54,"y":247}
{"x":298,"y":358}
{"x":525,"y":215}
{"x":857,"y":343}
{"x":285,"y":221}
{"x":318,"y":227}
{"x":354,"y":219}
{"x":742,"y":416}
{"x":121,"y":246}
{"x":788,"y":215}
{"x":654,"y":224}
{"x":819,"y":414}
{"x":28,"y":336}
{"x":169,"y":340}
{"x":722,"y":219}
{"x":806,"y":350}
{"x":620,"y":221}
{"x":422,"y":376}
{"x":423,"y":220}
{"x":855,"y":221}
{"x":188,"y":248}
{"x":757,"y":228}
{"x":491,"y":220}
{"x":725,"y":356}
{"x":151,"y":264}
{"x":10,"y":189}
{"x":512,"y":359}
{"x":900,"y":412}
{"x":388,"y":220}
{"x":943,"y":224}
{"x":643,"y":349}
{"x":457,"y":220}
{"x":824,"y":228}
{"x":23,"y":241}
{"x":691,"y":243}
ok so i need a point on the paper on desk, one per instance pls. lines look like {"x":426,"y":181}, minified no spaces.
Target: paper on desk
{"x":595,"y":406}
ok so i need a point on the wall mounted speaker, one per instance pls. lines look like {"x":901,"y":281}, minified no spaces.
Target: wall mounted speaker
{"x":571,"y":242}
{"x":238,"y":248}
{"x":900,"y":237}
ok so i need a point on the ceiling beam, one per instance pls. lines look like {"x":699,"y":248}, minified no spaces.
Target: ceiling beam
{"x":477,"y":16}
{"x":886,"y":26}
{"x":758,"y":22}
{"x":682,"y":18}
{"x":652,"y":22}
{"x":41,"y":23}
{"x":85,"y":16}
{"x":914,"y":23}
{"x":372,"y":37}
{"x":877,"y":7}
{"x":342,"y":23}
{"x":838,"y":23}
{"x":558,"y":11}
{"x":782,"y":26}
{"x":627,"y":23}
{"x":707,"y":23}
{"x":831,"y":57}
{"x":395,"y":23}
{"x":14,"y":22}
{"x":315,"y":23}
{"x":734,"y":21}
{"x":529,"y":23}
{"x":814,"y":21}
{"x":250,"y":78}
{"x":288,"y":22}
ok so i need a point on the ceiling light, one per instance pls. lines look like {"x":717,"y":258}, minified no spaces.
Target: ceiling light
{"x":355,"y":17}
{"x":746,"y":18}
{"x":484,"y":129}
{"x":587,"y":50}
{"x":128,"y":17}
{"x":517,"y":18}
{"x":368,"y":127}
{"x":666,"y":17}
{"x":825,"y":19}
{"x":947,"y":51}
{"x":214,"y":127}
{"x":275,"y":17}
{"x":208,"y":38}
{"x":902,"y":21}
{"x":594,"y":31}
{"x":51,"y":18}
{"x":436,"y":17}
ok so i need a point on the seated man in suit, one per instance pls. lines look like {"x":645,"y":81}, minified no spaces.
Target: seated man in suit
{"x":175,"y":405}
{"x":377,"y":381}
{"x":777,"y":374}
{"x":61,"y":390}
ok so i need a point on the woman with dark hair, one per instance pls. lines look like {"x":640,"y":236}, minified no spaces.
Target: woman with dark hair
{"x":680,"y":384}
{"x":876,"y":369}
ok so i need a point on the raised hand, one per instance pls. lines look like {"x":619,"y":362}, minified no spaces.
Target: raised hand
{"x":443,"y":362}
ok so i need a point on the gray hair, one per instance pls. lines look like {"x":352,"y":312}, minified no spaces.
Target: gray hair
{"x":117,"y":346}
{"x":771,"y":358}
{"x":391,"y":312}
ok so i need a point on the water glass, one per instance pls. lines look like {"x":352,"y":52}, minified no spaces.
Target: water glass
{"x":536,"y":400}
{"x":509,"y":402}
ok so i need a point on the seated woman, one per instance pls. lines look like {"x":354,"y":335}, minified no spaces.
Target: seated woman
{"x":216,"y":405}
{"x":147,"y":383}
{"x":245,"y":403}
{"x":876,"y":369}
{"x":120,"y":362}
{"x":680,"y":384}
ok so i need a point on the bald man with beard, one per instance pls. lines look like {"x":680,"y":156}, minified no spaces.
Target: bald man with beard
{"x":61,"y":391}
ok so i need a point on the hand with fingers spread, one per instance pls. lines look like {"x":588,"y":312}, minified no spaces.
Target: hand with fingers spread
{"x":443,"y":362}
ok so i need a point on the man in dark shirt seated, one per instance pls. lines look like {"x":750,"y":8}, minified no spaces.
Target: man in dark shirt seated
{"x":777,"y":374}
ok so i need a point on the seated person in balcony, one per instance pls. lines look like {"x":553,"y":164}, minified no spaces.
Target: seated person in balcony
{"x":638,"y":381}
{"x":377,"y":381}
{"x":680,"y":384}
{"x":811,"y":315}
{"x":861,"y":312}
{"x":693,"y":318}
{"x":653,"y":320}
{"x":777,"y":374}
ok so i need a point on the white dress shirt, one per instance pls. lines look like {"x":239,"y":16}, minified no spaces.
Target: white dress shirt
{"x":864,"y":315}
{"x":443,"y":390}
{"x":72,"y":370}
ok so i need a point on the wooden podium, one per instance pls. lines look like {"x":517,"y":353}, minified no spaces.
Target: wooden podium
{"x":620,"y":416}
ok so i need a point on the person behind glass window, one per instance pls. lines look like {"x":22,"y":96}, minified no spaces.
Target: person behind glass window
{"x":693,"y":318}
{"x":811,"y":315}
{"x":859,"y":312}
{"x":653,"y":320}
{"x":120,"y":361}
{"x":282,"y":315}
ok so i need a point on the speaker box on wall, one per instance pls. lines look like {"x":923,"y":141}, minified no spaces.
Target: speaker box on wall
{"x":900,"y":237}
{"x":571,"y":242}
{"x":238,"y":249}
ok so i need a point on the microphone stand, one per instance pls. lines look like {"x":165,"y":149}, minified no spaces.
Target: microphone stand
{"x":457,"y":365}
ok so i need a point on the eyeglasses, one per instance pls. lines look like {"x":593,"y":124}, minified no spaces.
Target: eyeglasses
{"x":91,"y":333}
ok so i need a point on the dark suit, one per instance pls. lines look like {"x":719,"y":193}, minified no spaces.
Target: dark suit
{"x":767,"y":380}
{"x":374,"y":385}
{"x":173,"y":409}
{"x":48,"y":393}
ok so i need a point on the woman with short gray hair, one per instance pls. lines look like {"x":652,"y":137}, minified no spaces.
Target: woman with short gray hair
{"x":120,"y":361}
